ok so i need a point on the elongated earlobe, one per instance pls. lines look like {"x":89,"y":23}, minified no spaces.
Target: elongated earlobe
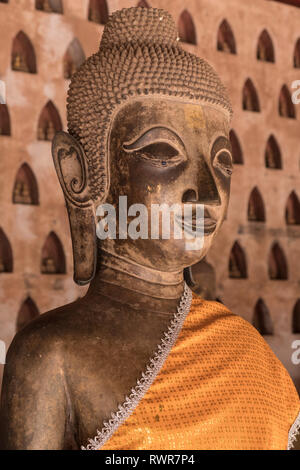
{"x":71,"y":167}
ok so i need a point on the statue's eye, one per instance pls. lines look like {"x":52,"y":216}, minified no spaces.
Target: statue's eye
{"x":159,"y":146}
{"x":160,"y":150}
{"x":223,"y":162}
{"x":161,"y":154}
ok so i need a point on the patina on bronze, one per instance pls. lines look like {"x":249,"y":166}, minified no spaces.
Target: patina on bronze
{"x":149,"y":121}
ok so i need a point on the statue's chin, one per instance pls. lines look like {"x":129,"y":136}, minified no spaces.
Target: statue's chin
{"x":163,"y":255}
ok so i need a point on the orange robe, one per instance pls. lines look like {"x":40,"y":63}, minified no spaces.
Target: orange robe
{"x":220,"y":387}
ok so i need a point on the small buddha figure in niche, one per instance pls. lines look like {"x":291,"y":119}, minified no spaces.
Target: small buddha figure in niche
{"x":252,"y":216}
{"x":48,"y":266}
{"x":223,"y":45}
{"x":42,"y":133}
{"x":234,"y":270}
{"x":2,"y":265}
{"x":50,"y":133}
{"x":140,"y":362}
{"x":21,"y":193}
{"x":93,"y":16}
{"x":69,"y":68}
{"x":261,"y":51}
{"x":47,"y":6}
{"x":19,"y":63}
{"x":247,"y":100}
{"x":283,"y":109}
{"x":270,"y":157}
{"x":46,"y":130}
{"x":273,"y":270}
{"x":290,"y":216}
{"x":44,"y":5}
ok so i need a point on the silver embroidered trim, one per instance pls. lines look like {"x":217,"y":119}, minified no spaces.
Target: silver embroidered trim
{"x":147,"y":378}
{"x":293,"y":432}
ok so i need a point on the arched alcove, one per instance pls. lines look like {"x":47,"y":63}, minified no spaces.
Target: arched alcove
{"x":143,"y":3}
{"x":262,"y":320}
{"x":277,"y":263}
{"x":250,"y":97}
{"x":265,"y":48}
{"x":25,"y":188}
{"x":297,"y":54}
{"x":186,"y":28}
{"x":53,"y":256}
{"x":49,"y":122}
{"x":23,"y":56}
{"x":4,"y":120}
{"x":285,"y":105}
{"x":73,"y":58}
{"x":237,"y":262}
{"x":225,"y":39}
{"x":296,"y":318}
{"x":6,"y":257}
{"x":237,"y":154}
{"x":49,"y":6}
{"x":273,"y":154}
{"x":292,"y":210}
{"x":256,"y":207}
{"x":27,"y":313}
{"x":98,"y":11}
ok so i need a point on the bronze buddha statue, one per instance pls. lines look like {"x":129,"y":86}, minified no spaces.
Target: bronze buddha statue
{"x":151,"y":122}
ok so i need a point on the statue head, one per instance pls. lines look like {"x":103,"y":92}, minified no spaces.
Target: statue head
{"x":149,"y":121}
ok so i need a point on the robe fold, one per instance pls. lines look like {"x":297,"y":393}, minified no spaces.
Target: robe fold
{"x":219,"y":387}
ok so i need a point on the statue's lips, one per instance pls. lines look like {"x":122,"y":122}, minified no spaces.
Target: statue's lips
{"x":204,"y":226}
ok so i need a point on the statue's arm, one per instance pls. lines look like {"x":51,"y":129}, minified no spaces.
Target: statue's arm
{"x":33,"y":401}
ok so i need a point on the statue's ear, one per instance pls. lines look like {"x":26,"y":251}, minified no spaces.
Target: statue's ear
{"x":71,"y":167}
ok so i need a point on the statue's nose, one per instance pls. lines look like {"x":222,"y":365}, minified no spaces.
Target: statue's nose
{"x":205,"y":191}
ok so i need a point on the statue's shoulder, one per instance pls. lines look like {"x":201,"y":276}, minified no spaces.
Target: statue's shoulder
{"x":64,"y":334}
{"x":45,"y":336}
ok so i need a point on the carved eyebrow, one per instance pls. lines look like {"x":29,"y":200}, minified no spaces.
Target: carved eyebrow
{"x":155,"y":134}
{"x":219,"y":144}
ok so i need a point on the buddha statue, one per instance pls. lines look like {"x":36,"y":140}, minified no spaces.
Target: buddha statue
{"x":26,"y":196}
{"x":252,"y":216}
{"x":50,"y":133}
{"x":47,"y":7}
{"x":42,"y":131}
{"x":48,"y":266}
{"x":17,"y":193}
{"x":21,"y":194}
{"x":270,"y":156}
{"x":140,"y":362}
{"x":69,"y":67}
{"x":19,"y":63}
